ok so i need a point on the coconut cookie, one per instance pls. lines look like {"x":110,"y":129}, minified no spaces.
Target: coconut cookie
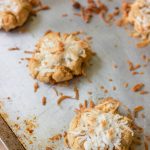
{"x":59,"y":57}
{"x":101,"y":127}
{"x":13,"y":13}
{"x":139,"y":16}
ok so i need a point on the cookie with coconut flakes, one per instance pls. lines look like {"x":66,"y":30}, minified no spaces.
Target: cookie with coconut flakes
{"x":59,"y":57}
{"x":139,"y":16}
{"x":100,"y":127}
{"x":13,"y":13}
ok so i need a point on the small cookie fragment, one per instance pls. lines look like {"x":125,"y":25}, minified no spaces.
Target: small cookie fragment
{"x":14,"y":13}
{"x":101,"y":127}
{"x":58,"y":57}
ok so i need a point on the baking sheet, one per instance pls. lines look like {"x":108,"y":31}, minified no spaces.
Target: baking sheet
{"x":112,"y":45}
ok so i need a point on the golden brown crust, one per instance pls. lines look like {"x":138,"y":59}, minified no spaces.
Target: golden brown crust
{"x":59,"y":57}
{"x":14,"y":13}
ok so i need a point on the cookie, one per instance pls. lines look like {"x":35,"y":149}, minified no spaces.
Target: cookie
{"x":59,"y":57}
{"x":13,"y":13}
{"x":101,"y":127}
{"x":139,"y":16}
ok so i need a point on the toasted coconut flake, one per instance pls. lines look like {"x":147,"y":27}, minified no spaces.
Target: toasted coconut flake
{"x":137,"y":109}
{"x":86,"y":15}
{"x":147,"y":137}
{"x":92,"y":105}
{"x":56,"y":91}
{"x":36,"y":86}
{"x":44,"y":100}
{"x":114,"y":88}
{"x":64,"y":15}
{"x":105,"y":91}
{"x":66,"y":139}
{"x":146,"y":145}
{"x":143,"y":92}
{"x":130,"y":65}
{"x":143,"y":44}
{"x":135,"y":73}
{"x":137,"y":87}
{"x":28,"y":52}
{"x":76,"y":5}
{"x":114,"y":66}
{"x":77,"y":14}
{"x":76,"y":93}
{"x":14,"y":49}
{"x":110,"y":80}
{"x":48,"y":148}
{"x":102,"y":87}
{"x":125,"y":84}
{"x":85,"y":104}
{"x":56,"y":137}
{"x":62,"y":98}
{"x":90,"y":93}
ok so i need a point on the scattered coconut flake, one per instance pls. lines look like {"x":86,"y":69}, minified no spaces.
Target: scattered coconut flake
{"x":44,"y":100}
{"x":14,"y":49}
{"x":56,"y":91}
{"x":138,"y":109}
{"x":137,"y":87}
{"x":64,"y":15}
{"x":76,"y":93}
{"x":62,"y":98}
{"x":146,"y":145}
{"x":125,"y":84}
{"x":114,"y":88}
{"x":56,"y":137}
{"x":36,"y":86}
{"x":143,"y":92}
{"x":28,"y":52}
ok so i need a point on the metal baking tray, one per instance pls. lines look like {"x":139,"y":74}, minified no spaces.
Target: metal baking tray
{"x":112,"y":46}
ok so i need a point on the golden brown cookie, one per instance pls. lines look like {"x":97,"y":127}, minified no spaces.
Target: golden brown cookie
{"x":101,"y":127}
{"x":13,"y":13}
{"x":59,"y":57}
{"x":139,"y":16}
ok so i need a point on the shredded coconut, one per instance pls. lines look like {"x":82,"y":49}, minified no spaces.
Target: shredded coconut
{"x":50,"y":56}
{"x":101,"y":130}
